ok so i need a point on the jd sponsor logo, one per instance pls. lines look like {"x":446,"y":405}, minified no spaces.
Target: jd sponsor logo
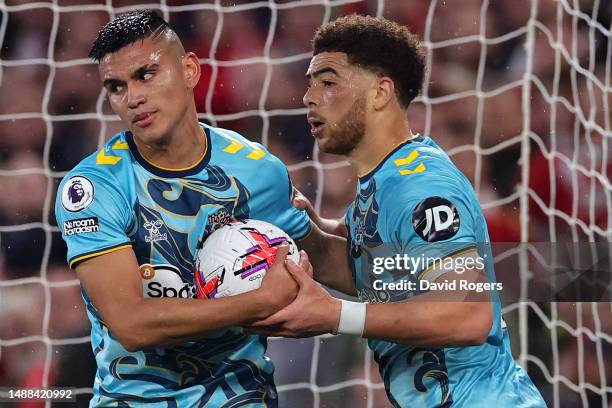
{"x":164,"y":281}
{"x":433,"y":216}
{"x":435,"y":219}
{"x":81,"y":226}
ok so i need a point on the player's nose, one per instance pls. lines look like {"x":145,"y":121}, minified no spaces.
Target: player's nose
{"x":309,"y":99}
{"x":135,"y":95}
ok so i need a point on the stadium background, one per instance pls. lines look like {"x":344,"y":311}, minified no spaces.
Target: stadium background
{"x":518,"y":92}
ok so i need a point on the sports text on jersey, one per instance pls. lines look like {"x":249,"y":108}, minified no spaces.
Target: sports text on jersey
{"x":81,"y":226}
{"x":164,"y":281}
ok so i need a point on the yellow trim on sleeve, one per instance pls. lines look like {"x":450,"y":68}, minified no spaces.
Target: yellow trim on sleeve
{"x":311,"y":227}
{"x":82,"y":258}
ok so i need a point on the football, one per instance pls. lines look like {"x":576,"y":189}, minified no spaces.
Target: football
{"x":235,"y":258}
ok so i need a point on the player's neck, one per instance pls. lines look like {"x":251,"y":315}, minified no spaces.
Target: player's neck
{"x":380,"y":139}
{"x":181,"y":149}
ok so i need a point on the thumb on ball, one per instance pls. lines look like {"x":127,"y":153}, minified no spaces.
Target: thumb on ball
{"x":281,"y":253}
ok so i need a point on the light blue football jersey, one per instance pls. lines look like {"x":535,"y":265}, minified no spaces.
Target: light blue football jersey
{"x":417,"y":197}
{"x":115,"y":199}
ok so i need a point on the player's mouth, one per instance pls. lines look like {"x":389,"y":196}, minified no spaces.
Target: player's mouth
{"x":143,"y":120}
{"x":316,"y":125}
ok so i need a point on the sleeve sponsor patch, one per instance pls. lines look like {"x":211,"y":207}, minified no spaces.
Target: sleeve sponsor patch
{"x":81,"y":226}
{"x":77,"y":194}
{"x":435,"y":219}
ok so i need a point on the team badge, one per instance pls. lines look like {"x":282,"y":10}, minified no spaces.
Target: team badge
{"x":77,"y":194}
{"x":435,"y":219}
{"x":218,"y":219}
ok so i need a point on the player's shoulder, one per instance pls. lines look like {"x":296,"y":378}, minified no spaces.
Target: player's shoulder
{"x":107,"y":161}
{"x":229,"y":146}
{"x":419,"y":168}
{"x":417,"y":174}
{"x":421,"y":157}
{"x":103,"y":167}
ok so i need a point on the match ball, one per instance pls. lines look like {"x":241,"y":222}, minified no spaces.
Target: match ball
{"x":235,"y":258}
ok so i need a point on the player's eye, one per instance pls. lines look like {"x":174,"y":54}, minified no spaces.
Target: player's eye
{"x":113,"y":89}
{"x":328,"y":84}
{"x":147,"y":75}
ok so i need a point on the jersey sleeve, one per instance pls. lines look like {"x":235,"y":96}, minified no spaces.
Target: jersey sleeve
{"x":92,"y":214}
{"x":435,"y":224}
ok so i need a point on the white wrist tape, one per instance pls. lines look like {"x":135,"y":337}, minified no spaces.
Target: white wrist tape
{"x":352,"y":318}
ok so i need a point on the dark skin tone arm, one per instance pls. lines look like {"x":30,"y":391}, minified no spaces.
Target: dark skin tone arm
{"x":326,"y":246}
{"x":328,"y":255}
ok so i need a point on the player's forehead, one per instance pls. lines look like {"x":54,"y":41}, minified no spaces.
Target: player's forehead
{"x":131,"y":57}
{"x":335,"y":63}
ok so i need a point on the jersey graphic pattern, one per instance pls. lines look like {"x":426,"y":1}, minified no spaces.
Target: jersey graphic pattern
{"x":386,"y":213}
{"x":164,"y":216}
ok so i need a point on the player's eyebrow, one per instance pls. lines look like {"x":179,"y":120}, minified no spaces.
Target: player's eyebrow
{"x":321,"y":72}
{"x":135,"y":75}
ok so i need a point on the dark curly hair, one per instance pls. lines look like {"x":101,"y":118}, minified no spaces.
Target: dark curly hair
{"x":377,"y":44}
{"x":126,"y":29}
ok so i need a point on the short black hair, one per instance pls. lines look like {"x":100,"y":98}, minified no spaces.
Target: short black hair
{"x":377,"y":44}
{"x":126,"y":29}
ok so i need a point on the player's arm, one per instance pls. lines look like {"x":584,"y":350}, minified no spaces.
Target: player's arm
{"x":113,"y":283}
{"x":326,"y":247}
{"x":463,"y":320}
{"x":327,"y":225}
{"x":449,"y":316}
{"x":446,"y":318}
{"x":460,"y":319}
{"x":328,"y":255}
{"x":327,"y":251}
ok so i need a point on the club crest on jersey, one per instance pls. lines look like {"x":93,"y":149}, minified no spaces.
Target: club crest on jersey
{"x":153,"y":227}
{"x":435,"y":219}
{"x":357,"y":242}
{"x":218,"y":219}
{"x":77,"y":194}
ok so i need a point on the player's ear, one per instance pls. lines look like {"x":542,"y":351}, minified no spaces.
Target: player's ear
{"x":385,"y":91}
{"x":191,"y":69}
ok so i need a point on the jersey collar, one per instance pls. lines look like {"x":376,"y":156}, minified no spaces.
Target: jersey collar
{"x":368,"y":175}
{"x":170,"y":173}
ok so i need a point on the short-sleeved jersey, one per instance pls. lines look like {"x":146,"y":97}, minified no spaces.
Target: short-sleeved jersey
{"x":115,"y":199}
{"x":417,"y":197}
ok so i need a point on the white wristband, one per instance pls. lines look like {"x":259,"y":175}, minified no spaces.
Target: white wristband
{"x":352,"y":318}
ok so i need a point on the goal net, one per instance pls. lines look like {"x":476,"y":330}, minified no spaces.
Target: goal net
{"x":517,"y":92}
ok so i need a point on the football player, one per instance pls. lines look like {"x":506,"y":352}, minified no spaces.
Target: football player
{"x":434,"y":349}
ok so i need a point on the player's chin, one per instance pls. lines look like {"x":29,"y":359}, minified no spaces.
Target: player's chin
{"x":148,"y":134}
{"x":324,"y":141}
{"x":327,"y":145}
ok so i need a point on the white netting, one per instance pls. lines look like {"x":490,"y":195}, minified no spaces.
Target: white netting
{"x":518,"y":93}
